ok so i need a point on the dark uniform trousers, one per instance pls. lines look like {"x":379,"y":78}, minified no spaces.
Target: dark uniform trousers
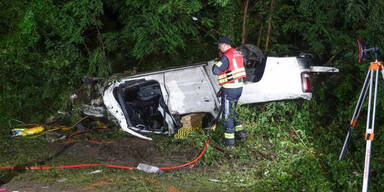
{"x":232,"y":126}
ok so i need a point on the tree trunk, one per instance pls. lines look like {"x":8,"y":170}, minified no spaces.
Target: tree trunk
{"x":260,"y":32}
{"x":269,"y":27}
{"x":244,"y":34}
{"x":100,"y":40}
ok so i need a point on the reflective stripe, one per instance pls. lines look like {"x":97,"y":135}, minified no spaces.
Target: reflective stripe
{"x":233,"y":85}
{"x":218,"y":63}
{"x":230,"y":76}
{"x":227,"y":80}
{"x":236,"y":72}
{"x":229,"y":135}
{"x":239,"y":128}
{"x":226,"y":108}
{"x":235,"y":64}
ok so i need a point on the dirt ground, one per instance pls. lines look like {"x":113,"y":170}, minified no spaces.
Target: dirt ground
{"x":126,"y":151}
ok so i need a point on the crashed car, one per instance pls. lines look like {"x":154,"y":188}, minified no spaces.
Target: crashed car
{"x":154,"y":101}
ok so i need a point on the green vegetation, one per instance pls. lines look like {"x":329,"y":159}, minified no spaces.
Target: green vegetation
{"x":47,"y":47}
{"x":285,"y":151}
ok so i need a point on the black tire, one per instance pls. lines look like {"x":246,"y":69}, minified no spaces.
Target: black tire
{"x":251,"y":53}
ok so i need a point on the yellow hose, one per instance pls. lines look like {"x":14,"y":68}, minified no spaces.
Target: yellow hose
{"x":59,"y":127}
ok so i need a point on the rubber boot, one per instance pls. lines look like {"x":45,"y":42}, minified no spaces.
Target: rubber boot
{"x":229,"y":140}
{"x":240,"y":133}
{"x":229,"y":143}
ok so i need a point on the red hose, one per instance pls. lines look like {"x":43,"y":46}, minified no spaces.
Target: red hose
{"x":105,"y":165}
{"x":186,"y":164}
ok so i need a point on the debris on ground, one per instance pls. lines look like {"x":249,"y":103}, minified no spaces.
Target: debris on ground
{"x":96,"y":171}
{"x":214,"y":180}
{"x":17,"y":132}
{"x":149,"y":168}
{"x":54,"y":136}
{"x":217,"y":181}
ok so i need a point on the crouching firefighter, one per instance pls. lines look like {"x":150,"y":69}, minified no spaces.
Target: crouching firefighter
{"x":230,"y":73}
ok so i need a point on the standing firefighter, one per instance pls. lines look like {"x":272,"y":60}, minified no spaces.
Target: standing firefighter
{"x":230,"y":73}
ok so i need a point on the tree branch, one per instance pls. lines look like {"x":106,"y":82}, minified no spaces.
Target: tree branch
{"x":334,"y":56}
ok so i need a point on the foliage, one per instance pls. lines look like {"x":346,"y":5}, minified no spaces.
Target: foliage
{"x":293,"y":146}
{"x":48,"y":46}
{"x":42,"y":53}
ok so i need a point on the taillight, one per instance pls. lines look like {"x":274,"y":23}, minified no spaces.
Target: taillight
{"x":306,"y":82}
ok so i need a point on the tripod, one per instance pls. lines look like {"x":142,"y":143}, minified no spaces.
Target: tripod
{"x":371,"y":78}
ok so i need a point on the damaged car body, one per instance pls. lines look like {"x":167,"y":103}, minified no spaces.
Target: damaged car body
{"x":155,"y":101}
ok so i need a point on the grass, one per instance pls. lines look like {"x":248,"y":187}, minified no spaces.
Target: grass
{"x":281,"y":153}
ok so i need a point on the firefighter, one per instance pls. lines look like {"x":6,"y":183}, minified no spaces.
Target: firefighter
{"x":230,"y":73}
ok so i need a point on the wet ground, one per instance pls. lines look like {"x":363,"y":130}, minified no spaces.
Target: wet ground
{"x":125,"y":151}
{"x":128,"y":151}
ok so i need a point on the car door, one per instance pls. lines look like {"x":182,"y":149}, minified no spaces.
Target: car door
{"x":189,"y":91}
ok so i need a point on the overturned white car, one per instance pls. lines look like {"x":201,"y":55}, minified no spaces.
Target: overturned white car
{"x":149,"y":102}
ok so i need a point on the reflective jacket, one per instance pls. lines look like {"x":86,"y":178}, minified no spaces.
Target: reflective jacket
{"x":235,"y":72}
